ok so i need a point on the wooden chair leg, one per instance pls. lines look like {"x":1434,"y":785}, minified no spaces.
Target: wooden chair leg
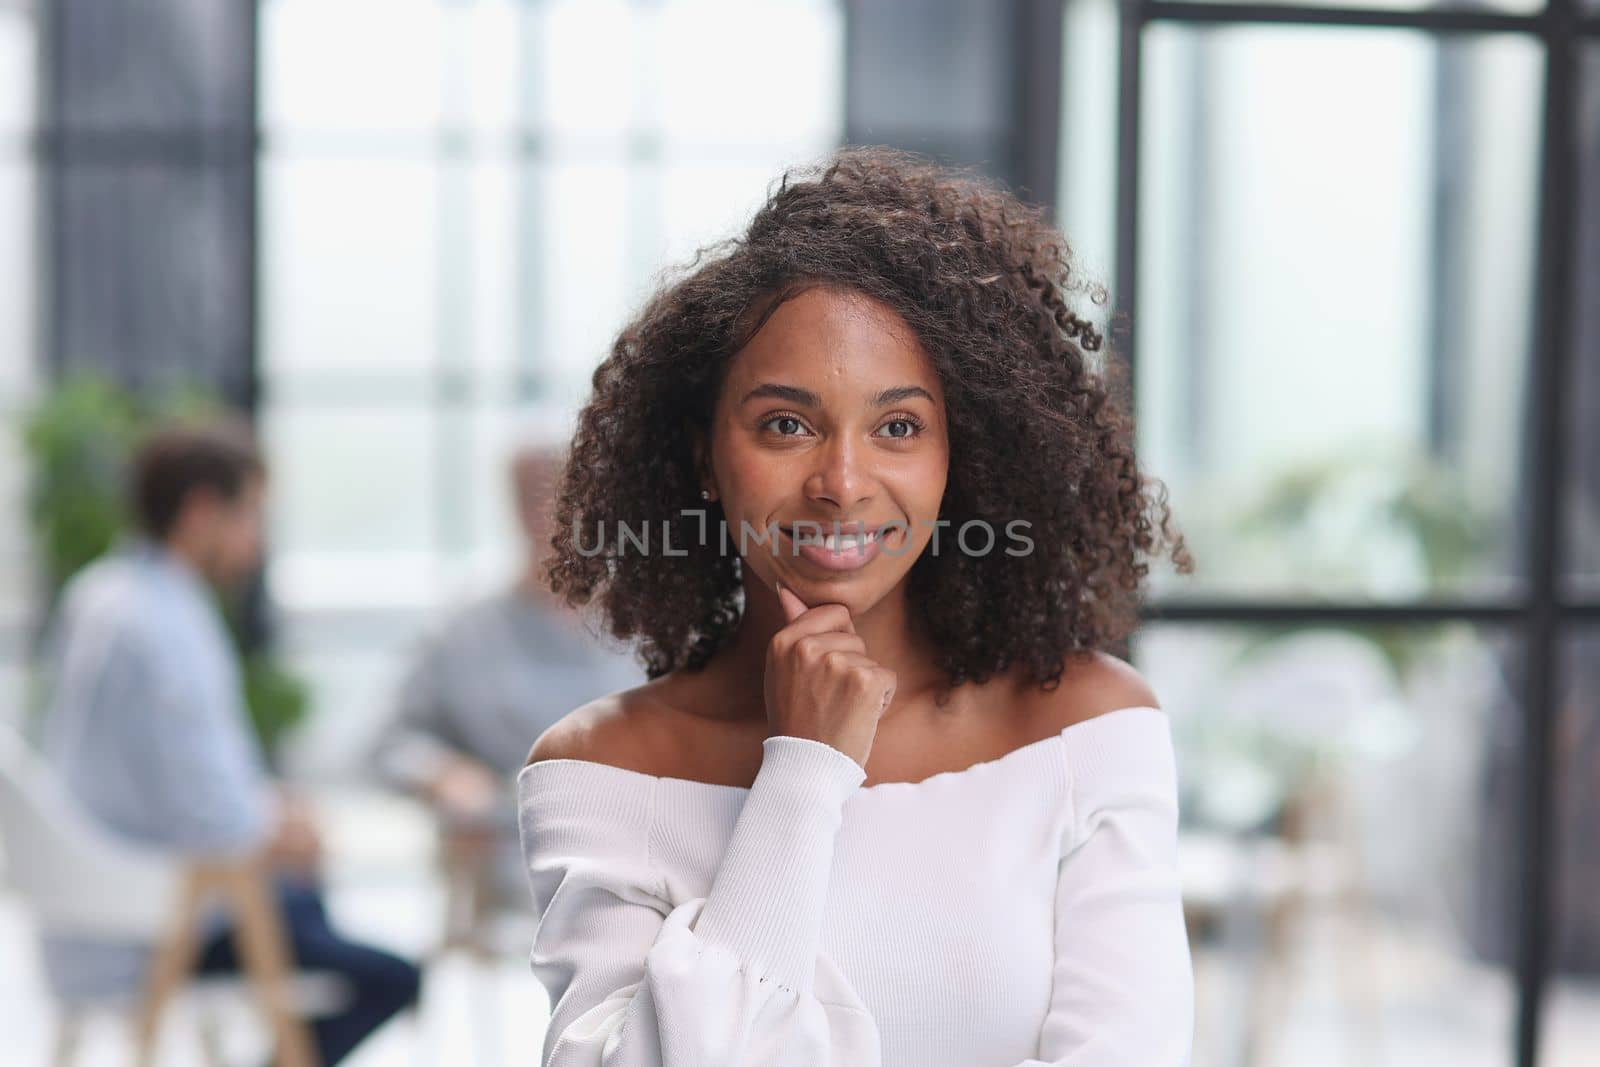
{"x":171,"y":963}
{"x":264,"y":952}
{"x":268,"y":961}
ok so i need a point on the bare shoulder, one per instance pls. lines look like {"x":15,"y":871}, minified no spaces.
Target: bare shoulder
{"x":1091,"y":685}
{"x":622,"y":729}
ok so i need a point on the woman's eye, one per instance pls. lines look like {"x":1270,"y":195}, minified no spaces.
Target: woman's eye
{"x":785,"y":425}
{"x":792,"y":426}
{"x":912,"y":427}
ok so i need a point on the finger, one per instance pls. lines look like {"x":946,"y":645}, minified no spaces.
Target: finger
{"x":793,"y":606}
{"x":829,"y":641}
{"x":849,"y":657}
{"x":823,"y":618}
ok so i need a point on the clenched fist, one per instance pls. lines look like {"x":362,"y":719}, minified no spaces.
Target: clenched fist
{"x":820,"y":683}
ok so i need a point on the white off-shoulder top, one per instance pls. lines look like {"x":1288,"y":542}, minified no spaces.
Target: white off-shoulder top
{"x":1021,"y":912}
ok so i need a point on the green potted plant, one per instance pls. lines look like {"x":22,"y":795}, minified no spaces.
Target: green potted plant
{"x":1380,"y":522}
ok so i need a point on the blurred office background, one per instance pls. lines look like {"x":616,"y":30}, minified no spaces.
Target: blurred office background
{"x":1357,"y":257}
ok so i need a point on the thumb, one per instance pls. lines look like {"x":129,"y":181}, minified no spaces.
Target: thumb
{"x":793,"y":606}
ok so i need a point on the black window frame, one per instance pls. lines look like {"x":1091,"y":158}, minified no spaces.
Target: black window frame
{"x":1547,"y":612}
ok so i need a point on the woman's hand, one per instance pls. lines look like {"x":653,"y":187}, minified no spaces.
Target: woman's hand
{"x":820,"y":683}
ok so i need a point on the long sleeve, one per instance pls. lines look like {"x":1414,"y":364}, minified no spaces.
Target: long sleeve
{"x":1123,"y":992}
{"x":202,"y":771}
{"x":724,"y":979}
{"x":153,"y":737}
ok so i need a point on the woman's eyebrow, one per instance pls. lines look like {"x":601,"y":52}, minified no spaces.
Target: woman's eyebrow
{"x":806,"y":398}
{"x":792,"y":393}
{"x":899,"y":393}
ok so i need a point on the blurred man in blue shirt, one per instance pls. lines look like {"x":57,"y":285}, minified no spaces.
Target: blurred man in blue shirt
{"x":148,"y":729}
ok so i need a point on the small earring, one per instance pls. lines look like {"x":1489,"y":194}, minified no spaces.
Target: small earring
{"x":705,"y":494}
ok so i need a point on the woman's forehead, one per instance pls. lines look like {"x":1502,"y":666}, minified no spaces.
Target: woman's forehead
{"x":826,"y":339}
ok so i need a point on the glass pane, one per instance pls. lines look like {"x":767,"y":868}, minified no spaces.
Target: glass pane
{"x":365,"y":65}
{"x":1572,"y":1027}
{"x":17,"y":236}
{"x":481,"y":63}
{"x":18,"y":77}
{"x":1087,"y":165}
{"x":729,"y":81}
{"x":583,"y":291}
{"x":584,"y":73}
{"x":482,"y":270}
{"x":705,"y":200}
{"x":448,"y":252}
{"x":1348,"y":805}
{"x":369,"y":298}
{"x":17,"y":377}
{"x":350,"y":261}
{"x":1583,"y":500}
{"x":17,"y":312}
{"x":353,"y":504}
{"x":17,"y":295}
{"x":1334,"y":304}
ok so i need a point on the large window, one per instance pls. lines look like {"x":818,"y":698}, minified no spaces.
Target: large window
{"x":1353,"y":258}
{"x":1334,"y":315}
{"x":18,"y":42}
{"x":461,"y":204}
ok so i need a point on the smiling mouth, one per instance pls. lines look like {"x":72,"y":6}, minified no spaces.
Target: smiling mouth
{"x":837,"y":543}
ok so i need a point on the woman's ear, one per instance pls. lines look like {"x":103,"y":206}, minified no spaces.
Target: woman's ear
{"x":701,"y":447}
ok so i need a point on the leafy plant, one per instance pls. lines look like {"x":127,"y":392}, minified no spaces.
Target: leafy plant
{"x":1376,"y":520}
{"x":1379,"y":521}
{"x":79,"y":438}
{"x":276,"y":697}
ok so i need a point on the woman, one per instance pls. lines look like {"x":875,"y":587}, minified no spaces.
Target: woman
{"x":882,"y":801}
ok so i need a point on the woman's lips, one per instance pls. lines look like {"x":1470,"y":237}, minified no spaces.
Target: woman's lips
{"x":852,"y":555}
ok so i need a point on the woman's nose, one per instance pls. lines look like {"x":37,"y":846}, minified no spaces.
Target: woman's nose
{"x":840,"y":477}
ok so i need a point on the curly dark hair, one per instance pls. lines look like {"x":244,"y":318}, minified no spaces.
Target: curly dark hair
{"x":1037,"y":430}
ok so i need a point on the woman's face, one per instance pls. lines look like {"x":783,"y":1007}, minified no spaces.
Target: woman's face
{"x":831,"y":413}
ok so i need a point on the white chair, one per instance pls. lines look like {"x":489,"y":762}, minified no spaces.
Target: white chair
{"x":78,"y":879}
{"x":1332,"y":696}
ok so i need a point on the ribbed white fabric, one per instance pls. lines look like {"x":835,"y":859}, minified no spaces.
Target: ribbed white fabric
{"x":1024,"y":911}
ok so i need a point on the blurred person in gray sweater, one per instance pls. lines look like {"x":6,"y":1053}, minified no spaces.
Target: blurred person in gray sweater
{"x":486,"y":683}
